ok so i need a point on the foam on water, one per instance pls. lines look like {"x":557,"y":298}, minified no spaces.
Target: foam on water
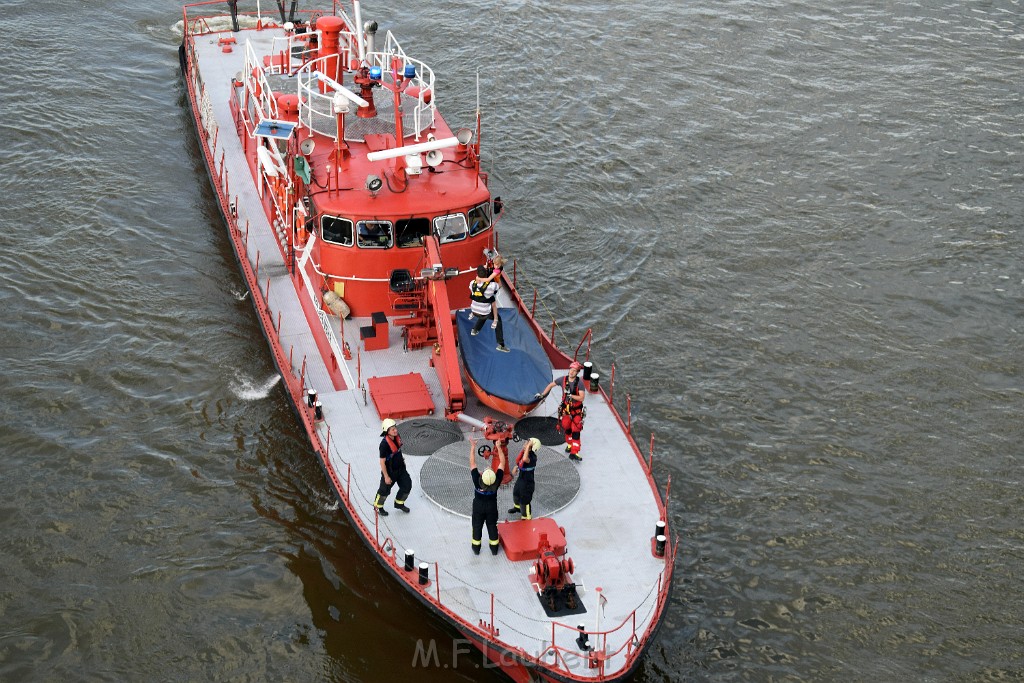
{"x":249,"y":389}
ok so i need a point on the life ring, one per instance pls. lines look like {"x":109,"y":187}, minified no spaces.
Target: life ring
{"x":282,"y":192}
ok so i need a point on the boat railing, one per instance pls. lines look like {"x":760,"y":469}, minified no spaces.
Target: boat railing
{"x":218,"y":21}
{"x":626,"y":638}
{"x":633,"y":642}
{"x":258,"y":90}
{"x":394,"y":59}
{"x":252,"y":259}
{"x":283,"y":49}
{"x":588,"y":338}
{"x":203,"y":24}
{"x":325,"y":320}
{"x":316,"y":110}
{"x":348,"y":49}
{"x":555,"y":350}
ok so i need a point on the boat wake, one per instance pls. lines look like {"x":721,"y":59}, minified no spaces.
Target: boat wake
{"x":249,"y":390}
{"x":216,"y":24}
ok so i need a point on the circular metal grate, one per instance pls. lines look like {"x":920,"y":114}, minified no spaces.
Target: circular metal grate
{"x":423,"y":436}
{"x":445,"y":479}
{"x":543,"y":428}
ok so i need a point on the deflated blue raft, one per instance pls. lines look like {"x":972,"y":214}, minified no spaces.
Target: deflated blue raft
{"x":514,"y":376}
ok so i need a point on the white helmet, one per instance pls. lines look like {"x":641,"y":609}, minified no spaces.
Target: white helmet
{"x":386,"y":425}
{"x":487,"y":477}
{"x":534,"y":444}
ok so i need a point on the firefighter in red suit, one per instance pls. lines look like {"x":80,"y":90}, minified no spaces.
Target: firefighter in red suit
{"x":570,"y":411}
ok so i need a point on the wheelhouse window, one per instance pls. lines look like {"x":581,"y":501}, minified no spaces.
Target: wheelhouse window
{"x":451,"y":228}
{"x":336,"y":230}
{"x":374,"y":234}
{"x":412,"y":231}
{"x":479,"y":218}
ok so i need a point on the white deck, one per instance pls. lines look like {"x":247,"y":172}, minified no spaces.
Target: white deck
{"x":608,"y":525}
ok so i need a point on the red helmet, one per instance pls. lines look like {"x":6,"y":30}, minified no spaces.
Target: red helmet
{"x":575,"y":365}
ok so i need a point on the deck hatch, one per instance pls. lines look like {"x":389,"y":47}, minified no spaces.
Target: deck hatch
{"x":400,"y":396}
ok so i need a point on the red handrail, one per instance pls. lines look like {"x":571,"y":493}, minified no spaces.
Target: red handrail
{"x":588,"y":337}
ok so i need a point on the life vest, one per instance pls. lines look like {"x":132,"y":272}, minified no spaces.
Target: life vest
{"x":570,"y":389}
{"x":394,"y":456}
{"x":477,"y":292}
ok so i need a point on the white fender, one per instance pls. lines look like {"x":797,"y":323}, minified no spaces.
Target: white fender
{"x":267,"y":162}
{"x":336,"y":304}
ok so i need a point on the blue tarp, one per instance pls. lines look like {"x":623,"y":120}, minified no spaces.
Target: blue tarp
{"x":514,"y":376}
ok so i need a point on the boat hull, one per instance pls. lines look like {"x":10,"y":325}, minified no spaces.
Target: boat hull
{"x":517,"y":664}
{"x":501,"y":405}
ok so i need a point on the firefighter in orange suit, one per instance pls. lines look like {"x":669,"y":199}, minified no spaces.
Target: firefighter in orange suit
{"x":570,"y":411}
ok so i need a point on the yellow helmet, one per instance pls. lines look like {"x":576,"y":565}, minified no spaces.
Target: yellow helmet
{"x":487,"y":477}
{"x":386,"y":425}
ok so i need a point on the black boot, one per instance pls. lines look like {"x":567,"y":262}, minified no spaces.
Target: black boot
{"x":476,"y":549}
{"x":494,"y":549}
{"x":514,"y":511}
{"x":382,"y":512}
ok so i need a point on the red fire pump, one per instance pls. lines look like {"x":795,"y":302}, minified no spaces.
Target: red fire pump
{"x":497,"y":432}
{"x":553,"y":578}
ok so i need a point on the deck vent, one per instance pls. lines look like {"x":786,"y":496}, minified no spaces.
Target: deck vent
{"x":543,"y":428}
{"x":425,"y":436}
